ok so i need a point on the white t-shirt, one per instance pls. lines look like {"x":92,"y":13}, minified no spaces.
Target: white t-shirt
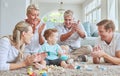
{"x":8,"y":53}
{"x":34,"y":46}
{"x":74,"y":41}
{"x":112,"y":47}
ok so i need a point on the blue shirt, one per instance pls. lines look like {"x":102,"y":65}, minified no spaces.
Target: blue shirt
{"x":51,"y":50}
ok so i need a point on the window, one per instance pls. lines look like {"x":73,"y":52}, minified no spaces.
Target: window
{"x":93,"y":11}
{"x":54,"y":16}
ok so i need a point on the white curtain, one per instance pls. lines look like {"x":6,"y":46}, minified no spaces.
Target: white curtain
{"x":34,"y":2}
{"x":113,"y":11}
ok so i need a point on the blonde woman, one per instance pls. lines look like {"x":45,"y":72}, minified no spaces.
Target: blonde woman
{"x":12,"y":47}
{"x":38,"y":28}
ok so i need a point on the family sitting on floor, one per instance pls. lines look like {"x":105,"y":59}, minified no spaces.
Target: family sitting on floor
{"x":33,"y":44}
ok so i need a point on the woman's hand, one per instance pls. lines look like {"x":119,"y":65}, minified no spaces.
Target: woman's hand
{"x":29,"y":60}
{"x":41,"y":28}
{"x":40,"y":56}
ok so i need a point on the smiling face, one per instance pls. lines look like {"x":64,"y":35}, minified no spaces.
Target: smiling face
{"x":68,"y":21}
{"x":28,"y":35}
{"x":51,"y":35}
{"x":33,"y":16}
{"x":106,"y":30}
{"x":104,"y":34}
{"x":68,"y":18}
{"x":53,"y":38}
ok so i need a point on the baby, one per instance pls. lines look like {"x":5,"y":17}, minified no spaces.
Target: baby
{"x":53,"y":50}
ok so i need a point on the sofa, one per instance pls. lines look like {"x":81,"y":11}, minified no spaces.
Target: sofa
{"x":92,"y":34}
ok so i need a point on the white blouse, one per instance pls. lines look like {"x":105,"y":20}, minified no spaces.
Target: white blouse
{"x":34,"y":46}
{"x":8,"y":53}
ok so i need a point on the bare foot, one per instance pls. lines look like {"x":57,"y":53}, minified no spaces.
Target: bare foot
{"x":70,"y":66}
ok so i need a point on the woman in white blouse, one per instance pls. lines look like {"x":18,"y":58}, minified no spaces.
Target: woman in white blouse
{"x":12,"y":47}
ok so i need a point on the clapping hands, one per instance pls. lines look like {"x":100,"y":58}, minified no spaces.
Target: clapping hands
{"x":97,"y":52}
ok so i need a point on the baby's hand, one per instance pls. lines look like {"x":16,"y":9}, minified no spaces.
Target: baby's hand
{"x":40,"y":56}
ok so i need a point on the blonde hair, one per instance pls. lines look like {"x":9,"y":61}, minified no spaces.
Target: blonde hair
{"x":68,"y":13}
{"x":32,"y":7}
{"x":20,"y":27}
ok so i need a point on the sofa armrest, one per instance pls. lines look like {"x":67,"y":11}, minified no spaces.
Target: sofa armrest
{"x":88,"y":41}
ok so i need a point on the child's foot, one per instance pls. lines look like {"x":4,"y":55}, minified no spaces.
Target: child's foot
{"x":70,"y":66}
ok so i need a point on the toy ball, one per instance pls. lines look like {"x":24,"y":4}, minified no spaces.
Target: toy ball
{"x":64,"y":57}
{"x":42,"y":71}
{"x":78,"y":67}
{"x":44,"y":74}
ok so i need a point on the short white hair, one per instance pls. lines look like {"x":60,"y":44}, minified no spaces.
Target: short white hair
{"x":68,"y":13}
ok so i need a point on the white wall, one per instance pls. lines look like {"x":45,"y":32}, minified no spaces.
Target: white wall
{"x":0,"y":18}
{"x":48,"y":7}
{"x":104,"y":9}
{"x":119,"y":15}
{"x":11,"y":12}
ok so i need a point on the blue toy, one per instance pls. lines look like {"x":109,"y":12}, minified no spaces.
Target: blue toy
{"x":64,"y":57}
{"x":44,"y":74}
{"x":78,"y":67}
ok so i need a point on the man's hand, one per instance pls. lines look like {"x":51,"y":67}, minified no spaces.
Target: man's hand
{"x":29,"y":60}
{"x":75,"y":26}
{"x":97,"y":52}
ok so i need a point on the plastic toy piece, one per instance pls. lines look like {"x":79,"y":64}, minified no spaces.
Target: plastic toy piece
{"x":89,"y":69}
{"x":64,"y":57}
{"x":44,"y":74}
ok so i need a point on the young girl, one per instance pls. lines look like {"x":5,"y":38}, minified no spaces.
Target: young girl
{"x":53,"y":50}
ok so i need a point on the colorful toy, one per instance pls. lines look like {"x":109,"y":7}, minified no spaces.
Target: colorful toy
{"x":64,"y":57}
{"x":78,"y":67}
{"x":30,"y":71}
{"x":42,"y":71}
{"x":102,"y":68}
{"x":89,"y":69}
{"x":44,"y":74}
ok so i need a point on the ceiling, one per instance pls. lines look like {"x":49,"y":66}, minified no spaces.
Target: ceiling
{"x":64,"y":1}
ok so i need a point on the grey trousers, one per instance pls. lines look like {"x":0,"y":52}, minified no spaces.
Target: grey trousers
{"x":83,"y":50}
